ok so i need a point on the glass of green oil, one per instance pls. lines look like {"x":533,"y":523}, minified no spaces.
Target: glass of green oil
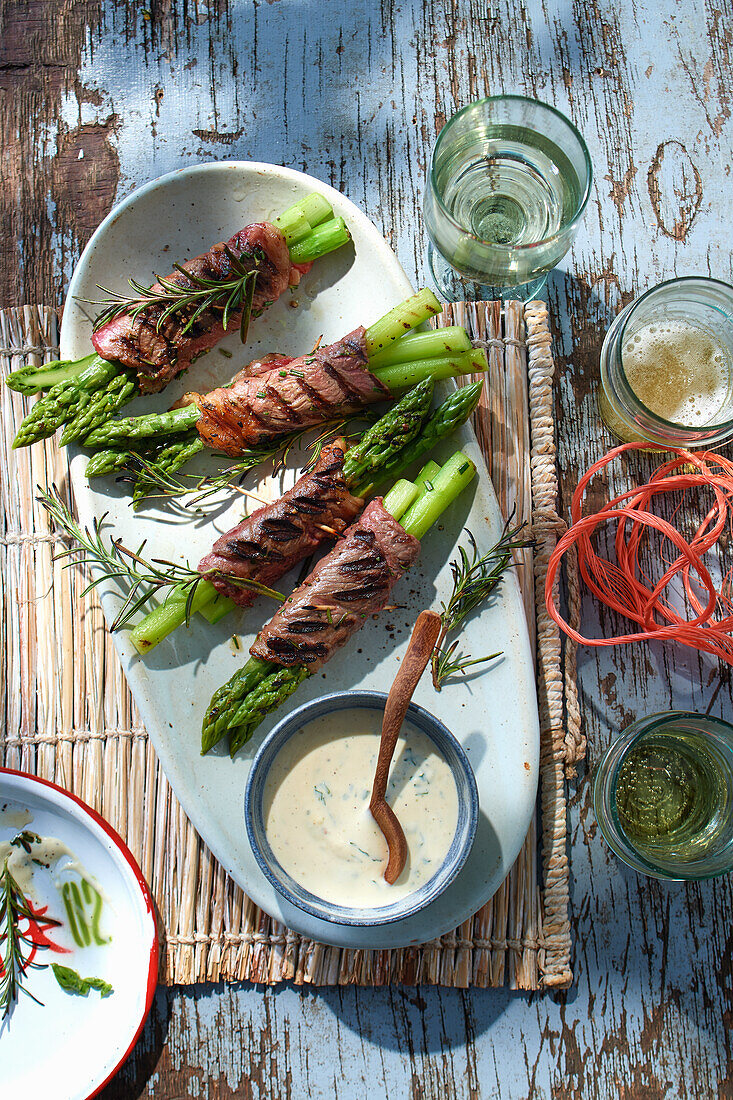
{"x":663,"y":796}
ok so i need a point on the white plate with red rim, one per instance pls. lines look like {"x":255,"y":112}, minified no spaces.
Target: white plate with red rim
{"x":493,"y":714}
{"x":70,"y":1045}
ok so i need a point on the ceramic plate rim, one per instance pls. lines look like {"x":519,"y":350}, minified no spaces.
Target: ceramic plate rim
{"x":186,"y":791}
{"x":85,"y":815}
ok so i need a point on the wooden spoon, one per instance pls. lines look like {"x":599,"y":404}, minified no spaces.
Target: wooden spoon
{"x":423,"y":639}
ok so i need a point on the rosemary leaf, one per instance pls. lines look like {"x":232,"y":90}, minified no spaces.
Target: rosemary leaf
{"x":475,"y":577}
{"x":139,"y":577}
{"x":16,"y":945}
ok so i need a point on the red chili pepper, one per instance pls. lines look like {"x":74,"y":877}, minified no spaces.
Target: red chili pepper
{"x":36,"y":930}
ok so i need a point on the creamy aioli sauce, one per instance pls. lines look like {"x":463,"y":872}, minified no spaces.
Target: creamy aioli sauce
{"x":316,"y":809}
{"x":46,"y":852}
{"x":17,"y":817}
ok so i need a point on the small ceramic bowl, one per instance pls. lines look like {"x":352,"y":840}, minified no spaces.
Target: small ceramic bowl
{"x":457,"y":854}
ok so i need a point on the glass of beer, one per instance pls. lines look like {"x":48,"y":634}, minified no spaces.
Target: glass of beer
{"x":508,"y":185}
{"x":667,"y":366}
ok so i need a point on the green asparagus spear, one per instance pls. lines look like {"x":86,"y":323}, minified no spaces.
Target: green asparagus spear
{"x":100,"y":405}
{"x":323,"y":239}
{"x":227,"y":697}
{"x":163,"y":465}
{"x":407,"y":315}
{"x":274,"y":684}
{"x":270,"y":693}
{"x":107,"y":462}
{"x":150,"y":426}
{"x":402,"y":375}
{"x":453,"y":412}
{"x":34,"y":379}
{"x":64,"y":401}
{"x":451,"y":340}
{"x":423,"y":480}
{"x":389,"y":434}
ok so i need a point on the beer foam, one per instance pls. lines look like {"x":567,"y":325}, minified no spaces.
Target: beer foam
{"x":679,"y":371}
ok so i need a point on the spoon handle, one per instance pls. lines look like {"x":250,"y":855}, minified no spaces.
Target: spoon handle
{"x":419,"y":650}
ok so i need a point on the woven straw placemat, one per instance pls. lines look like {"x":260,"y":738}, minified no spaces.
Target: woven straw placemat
{"x":69,"y":717}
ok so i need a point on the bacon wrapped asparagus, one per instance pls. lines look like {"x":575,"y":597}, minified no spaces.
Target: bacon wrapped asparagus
{"x":348,"y":585}
{"x":268,"y":543}
{"x":146,"y":338}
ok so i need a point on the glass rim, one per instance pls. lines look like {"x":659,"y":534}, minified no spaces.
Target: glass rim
{"x":583,"y":202}
{"x":603,"y":793}
{"x":636,"y":402}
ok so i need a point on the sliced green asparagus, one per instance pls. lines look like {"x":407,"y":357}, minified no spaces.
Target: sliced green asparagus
{"x":407,"y":315}
{"x":401,"y":375}
{"x":323,"y":239}
{"x":451,"y":340}
{"x":30,"y":380}
{"x":273,"y":684}
{"x":424,"y":478}
{"x":310,"y":211}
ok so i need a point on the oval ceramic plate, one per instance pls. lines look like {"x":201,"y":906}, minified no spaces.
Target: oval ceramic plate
{"x":71,"y":1045}
{"x":494,"y":714}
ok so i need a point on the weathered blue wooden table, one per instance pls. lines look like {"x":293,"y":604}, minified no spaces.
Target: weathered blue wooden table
{"x":100,"y":97}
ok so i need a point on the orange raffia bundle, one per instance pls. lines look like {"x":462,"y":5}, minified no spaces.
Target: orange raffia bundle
{"x":623,"y":585}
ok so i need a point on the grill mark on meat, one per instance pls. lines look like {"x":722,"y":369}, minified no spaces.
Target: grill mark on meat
{"x":287,"y":408}
{"x":254,"y":410}
{"x":308,"y":626}
{"x":280,"y":530}
{"x":247,"y":550}
{"x":347,"y":390}
{"x":365,"y":592}
{"x":315,"y":397}
{"x":292,"y":654}
{"x":277,"y":536}
{"x":351,"y":583}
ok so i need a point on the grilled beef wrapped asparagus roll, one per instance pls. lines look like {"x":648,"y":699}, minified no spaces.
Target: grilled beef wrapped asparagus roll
{"x":267,"y":544}
{"x":350,"y":583}
{"x":159,"y":347}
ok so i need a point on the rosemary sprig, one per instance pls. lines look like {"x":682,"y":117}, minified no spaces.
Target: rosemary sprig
{"x":188,"y":300}
{"x":16,"y":946}
{"x":140,"y":577}
{"x":160,"y":481}
{"x":475,"y":577}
